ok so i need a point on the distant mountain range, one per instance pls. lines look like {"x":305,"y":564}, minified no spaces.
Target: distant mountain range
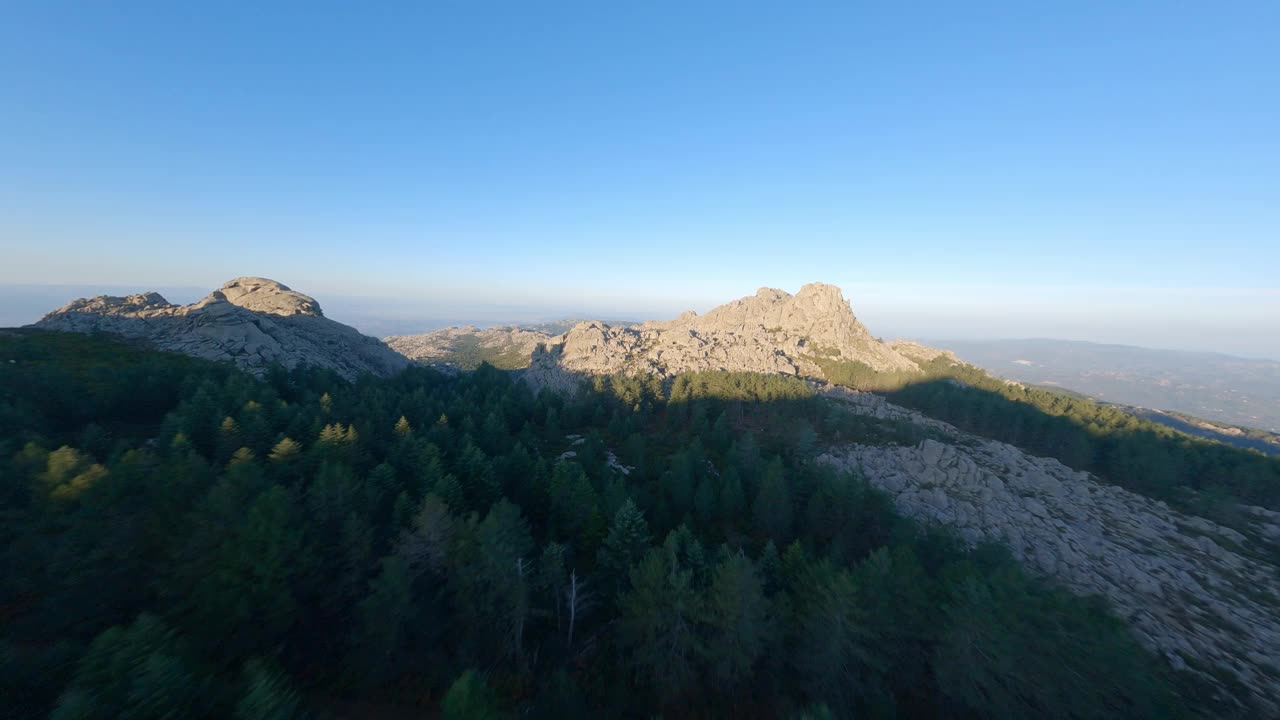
{"x":1222,"y":388}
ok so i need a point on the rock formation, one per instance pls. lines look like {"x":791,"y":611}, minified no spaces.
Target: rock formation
{"x":770,"y":332}
{"x":252,"y":322}
{"x":463,"y":348}
{"x":1192,"y":590}
{"x":922,"y":354}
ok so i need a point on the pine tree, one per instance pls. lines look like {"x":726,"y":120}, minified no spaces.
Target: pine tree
{"x":721,"y":436}
{"x":475,"y":473}
{"x":285,"y":451}
{"x":139,"y":670}
{"x":560,"y":698}
{"x":70,"y":473}
{"x":705,"y":501}
{"x":770,"y":566}
{"x":898,"y":599}
{"x":401,"y":511}
{"x":339,"y":435}
{"x":229,"y":440}
{"x":490,"y":575}
{"x":268,"y":695}
{"x":626,"y":543}
{"x":686,"y":552}
{"x":680,"y":481}
{"x":552,"y":575}
{"x":658,"y":627}
{"x":470,"y":698}
{"x":744,"y":455}
{"x":380,"y":489}
{"x":254,"y":428}
{"x":772,"y":508}
{"x":425,"y":544}
{"x":247,"y":600}
{"x":383,"y":615}
{"x":832,"y":638}
{"x":737,"y":614}
{"x":1011,"y":649}
{"x":243,"y":456}
{"x":352,"y":561}
{"x":421,"y":464}
{"x":732,"y":501}
{"x":574,"y":506}
{"x":448,"y":489}
{"x":403,"y":428}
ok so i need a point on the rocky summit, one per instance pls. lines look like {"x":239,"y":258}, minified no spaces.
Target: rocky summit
{"x":252,"y":322}
{"x":772,"y":331}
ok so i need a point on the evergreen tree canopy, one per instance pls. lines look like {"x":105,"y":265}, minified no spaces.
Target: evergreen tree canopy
{"x":181,"y":539}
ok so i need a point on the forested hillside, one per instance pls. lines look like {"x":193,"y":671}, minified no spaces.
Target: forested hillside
{"x":1140,"y":455}
{"x":183,"y":540}
{"x":1220,"y":388}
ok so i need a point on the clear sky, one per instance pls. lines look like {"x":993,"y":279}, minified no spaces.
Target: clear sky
{"x":1095,"y":170}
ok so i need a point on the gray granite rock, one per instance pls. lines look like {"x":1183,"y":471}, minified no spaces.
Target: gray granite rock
{"x":445,"y":347}
{"x":770,"y":332}
{"x":1190,"y":588}
{"x":252,"y":322}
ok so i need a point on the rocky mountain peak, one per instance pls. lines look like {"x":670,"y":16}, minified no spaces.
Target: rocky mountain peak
{"x":115,"y":305}
{"x":262,"y":295}
{"x":771,"y":331}
{"x":252,"y":322}
{"x":148,"y":299}
{"x":821,"y":289}
{"x":818,"y":315}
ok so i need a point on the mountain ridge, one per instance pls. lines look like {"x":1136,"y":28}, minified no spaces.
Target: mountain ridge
{"x":250,"y":321}
{"x":772,"y":331}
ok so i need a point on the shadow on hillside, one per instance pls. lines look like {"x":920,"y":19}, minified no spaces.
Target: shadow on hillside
{"x":1136,"y":454}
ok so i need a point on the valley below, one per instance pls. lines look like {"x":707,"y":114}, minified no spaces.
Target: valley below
{"x":1219,"y":388}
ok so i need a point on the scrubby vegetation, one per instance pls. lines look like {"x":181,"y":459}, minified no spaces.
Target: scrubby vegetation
{"x":862,"y":376}
{"x":468,"y":353}
{"x":1138,"y":454}
{"x":182,"y":540}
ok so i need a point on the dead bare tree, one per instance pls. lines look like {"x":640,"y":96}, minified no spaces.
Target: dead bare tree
{"x":577,"y":601}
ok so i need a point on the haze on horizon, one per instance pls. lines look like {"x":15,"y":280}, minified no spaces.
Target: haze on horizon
{"x":1090,"y":171}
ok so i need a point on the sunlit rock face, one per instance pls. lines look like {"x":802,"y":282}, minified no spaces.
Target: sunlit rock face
{"x":268,"y":297}
{"x":252,"y":322}
{"x":770,"y":332}
{"x":508,"y":347}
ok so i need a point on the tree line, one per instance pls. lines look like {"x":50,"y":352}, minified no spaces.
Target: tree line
{"x":1140,"y":455}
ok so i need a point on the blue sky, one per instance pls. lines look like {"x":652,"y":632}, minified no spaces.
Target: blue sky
{"x":1091,"y":170}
